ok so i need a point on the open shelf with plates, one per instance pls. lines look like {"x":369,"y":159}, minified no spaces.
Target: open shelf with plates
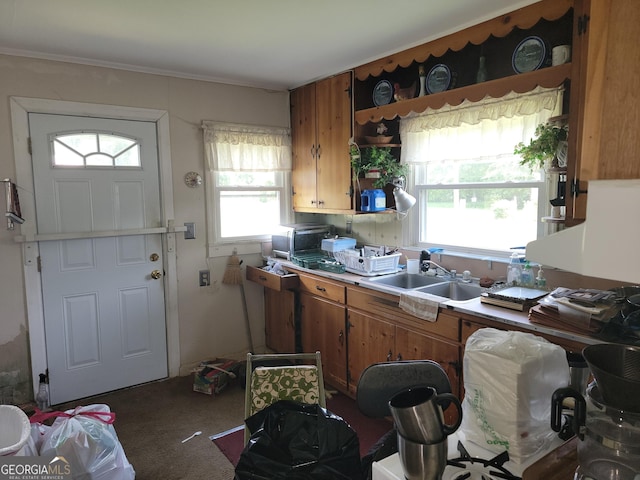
{"x":495,"y":40}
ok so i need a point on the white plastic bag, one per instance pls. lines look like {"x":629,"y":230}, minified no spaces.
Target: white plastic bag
{"x":85,"y":437}
{"x":36,"y":437}
{"x":509,"y":378}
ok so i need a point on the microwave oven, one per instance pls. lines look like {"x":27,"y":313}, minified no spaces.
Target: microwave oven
{"x":299,"y":237}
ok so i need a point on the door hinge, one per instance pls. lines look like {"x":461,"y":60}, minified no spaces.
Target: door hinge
{"x":39,"y":263}
{"x":583,"y":21}
{"x":29,"y":146}
{"x":575,"y":188}
{"x":348,"y":90}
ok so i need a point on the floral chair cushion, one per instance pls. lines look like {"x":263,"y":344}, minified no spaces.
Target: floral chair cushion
{"x":270,"y":384}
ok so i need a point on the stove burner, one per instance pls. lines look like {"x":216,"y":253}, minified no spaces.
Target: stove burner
{"x":465,"y":461}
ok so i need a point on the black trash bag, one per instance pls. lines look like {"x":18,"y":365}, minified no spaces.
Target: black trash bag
{"x":386,"y":446}
{"x":299,"y":441}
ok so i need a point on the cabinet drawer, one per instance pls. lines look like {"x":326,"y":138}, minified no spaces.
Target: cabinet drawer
{"x":271,"y":280}
{"x":387,"y":307}
{"x":322,"y":288}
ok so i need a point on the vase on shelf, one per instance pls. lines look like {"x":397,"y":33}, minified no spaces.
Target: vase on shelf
{"x":423,"y":81}
{"x":481,"y":76}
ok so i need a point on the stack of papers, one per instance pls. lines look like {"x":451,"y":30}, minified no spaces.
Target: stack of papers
{"x":597,"y":304}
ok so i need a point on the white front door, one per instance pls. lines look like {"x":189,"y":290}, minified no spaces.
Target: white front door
{"x":95,"y":181}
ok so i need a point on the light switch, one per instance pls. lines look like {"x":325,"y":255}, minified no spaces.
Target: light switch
{"x":190,"y":233}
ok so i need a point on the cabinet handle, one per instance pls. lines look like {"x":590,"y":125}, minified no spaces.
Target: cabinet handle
{"x":263,"y":278}
{"x":389,"y":355}
{"x":318,"y":151}
{"x":399,"y":358}
{"x":341,"y":337}
{"x":320,"y":289}
{"x":320,"y":202}
{"x":313,"y":151}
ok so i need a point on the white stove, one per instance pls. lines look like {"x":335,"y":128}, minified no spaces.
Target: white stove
{"x":471,"y":463}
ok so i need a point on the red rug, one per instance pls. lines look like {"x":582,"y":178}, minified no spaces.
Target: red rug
{"x":369,"y":430}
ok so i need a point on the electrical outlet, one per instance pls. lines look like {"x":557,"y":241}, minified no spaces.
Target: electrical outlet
{"x":190,"y":233}
{"x":205,"y":278}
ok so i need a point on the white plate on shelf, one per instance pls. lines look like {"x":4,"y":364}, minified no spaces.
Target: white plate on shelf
{"x":382,"y":93}
{"x":530,"y":54}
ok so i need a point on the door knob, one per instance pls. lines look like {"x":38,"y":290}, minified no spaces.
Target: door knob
{"x":154,"y":257}
{"x":156,"y":274}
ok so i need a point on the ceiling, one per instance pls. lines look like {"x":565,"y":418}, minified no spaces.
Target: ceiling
{"x":273,"y":44}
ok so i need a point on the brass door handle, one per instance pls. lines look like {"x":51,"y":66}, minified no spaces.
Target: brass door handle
{"x":156,"y":274}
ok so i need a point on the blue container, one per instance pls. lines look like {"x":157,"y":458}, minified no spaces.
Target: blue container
{"x":373,"y":200}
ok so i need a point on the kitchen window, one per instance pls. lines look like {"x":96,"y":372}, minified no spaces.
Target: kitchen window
{"x":473,"y":196}
{"x":248,"y":181}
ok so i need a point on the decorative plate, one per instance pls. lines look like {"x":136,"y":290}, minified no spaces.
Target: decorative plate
{"x":529,"y":55}
{"x":382,"y":93}
{"x":438,"y":78}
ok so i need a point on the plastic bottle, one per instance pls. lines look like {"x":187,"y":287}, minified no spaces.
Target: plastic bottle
{"x":514,"y":270}
{"x":526,"y":277}
{"x":42,"y":397}
{"x":541,"y":282}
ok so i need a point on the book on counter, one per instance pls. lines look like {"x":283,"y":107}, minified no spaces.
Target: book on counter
{"x":515,"y":298}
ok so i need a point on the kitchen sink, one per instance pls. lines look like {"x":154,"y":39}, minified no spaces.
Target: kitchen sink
{"x":453,"y":290}
{"x":407,"y":281}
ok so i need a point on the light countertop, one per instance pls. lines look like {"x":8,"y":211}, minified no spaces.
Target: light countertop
{"x":471,"y":307}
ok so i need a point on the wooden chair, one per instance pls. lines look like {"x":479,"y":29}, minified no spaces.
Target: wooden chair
{"x":295,"y":376}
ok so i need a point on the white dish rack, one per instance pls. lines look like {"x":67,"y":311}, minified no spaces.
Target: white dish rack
{"x":368,"y":265}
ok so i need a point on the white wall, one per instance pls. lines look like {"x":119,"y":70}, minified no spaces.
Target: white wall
{"x":211,"y":319}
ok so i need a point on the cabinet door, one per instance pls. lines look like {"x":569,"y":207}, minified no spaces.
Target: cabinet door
{"x":370,"y":341}
{"x":280,"y":332}
{"x":322,"y":325}
{"x":411,"y":345}
{"x":333,"y":168}
{"x":604,"y":118}
{"x":303,"y":142}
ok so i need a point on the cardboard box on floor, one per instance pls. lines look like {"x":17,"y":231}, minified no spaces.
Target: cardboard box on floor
{"x":211,"y":376}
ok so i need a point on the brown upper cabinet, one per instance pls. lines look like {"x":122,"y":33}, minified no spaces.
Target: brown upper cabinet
{"x":604,"y":114}
{"x":321,"y":126}
{"x":602,"y":82}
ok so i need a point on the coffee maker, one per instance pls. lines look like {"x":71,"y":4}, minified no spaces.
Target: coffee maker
{"x":607,"y":422}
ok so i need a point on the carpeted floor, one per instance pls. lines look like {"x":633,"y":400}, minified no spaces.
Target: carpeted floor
{"x":153,"y":419}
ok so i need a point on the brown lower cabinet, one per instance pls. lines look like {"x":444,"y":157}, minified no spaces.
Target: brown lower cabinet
{"x":322,"y":329}
{"x":354,"y":327}
{"x":280,"y":320}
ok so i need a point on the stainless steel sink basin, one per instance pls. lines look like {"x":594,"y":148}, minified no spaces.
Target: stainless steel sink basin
{"x":453,"y":290}
{"x":407,"y":281}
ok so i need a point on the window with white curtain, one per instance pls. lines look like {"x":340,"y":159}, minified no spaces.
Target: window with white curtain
{"x":248,"y":181}
{"x":473,"y":195}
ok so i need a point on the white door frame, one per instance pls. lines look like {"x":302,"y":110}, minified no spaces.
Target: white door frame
{"x":20,"y":108}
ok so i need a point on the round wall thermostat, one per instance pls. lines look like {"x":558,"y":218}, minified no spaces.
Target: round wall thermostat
{"x":193,"y":179}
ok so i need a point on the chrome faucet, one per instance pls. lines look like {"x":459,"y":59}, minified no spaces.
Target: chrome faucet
{"x":451,"y":274}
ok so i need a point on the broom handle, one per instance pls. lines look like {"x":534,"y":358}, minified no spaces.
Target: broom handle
{"x":246,"y":317}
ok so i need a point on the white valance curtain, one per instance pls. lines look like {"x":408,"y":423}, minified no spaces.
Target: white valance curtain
{"x":477,"y":129}
{"x":246,"y":148}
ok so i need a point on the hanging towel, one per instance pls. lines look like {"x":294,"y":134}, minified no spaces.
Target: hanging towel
{"x":422,"y":305}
